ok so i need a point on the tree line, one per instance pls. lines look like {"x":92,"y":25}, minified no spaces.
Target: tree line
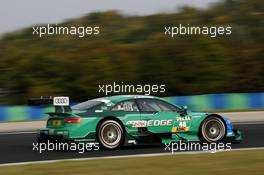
{"x":135,"y":50}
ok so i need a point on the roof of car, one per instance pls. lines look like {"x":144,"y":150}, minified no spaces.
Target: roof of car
{"x":118,"y":98}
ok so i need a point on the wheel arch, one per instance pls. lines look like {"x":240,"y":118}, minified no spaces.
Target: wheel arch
{"x":111,"y":118}
{"x":115,"y":119}
{"x":208,"y":116}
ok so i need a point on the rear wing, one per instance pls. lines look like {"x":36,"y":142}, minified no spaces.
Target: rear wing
{"x":60,"y":114}
{"x":42,"y":100}
{"x":61,"y":104}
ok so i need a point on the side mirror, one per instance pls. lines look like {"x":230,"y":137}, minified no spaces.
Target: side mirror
{"x":184,"y":110}
{"x":184,"y":107}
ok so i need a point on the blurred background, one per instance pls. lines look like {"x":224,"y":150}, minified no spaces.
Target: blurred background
{"x":224,"y":74}
{"x":133,"y":49}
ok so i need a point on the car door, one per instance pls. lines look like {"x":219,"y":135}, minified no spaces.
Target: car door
{"x":127,"y":111}
{"x":162,"y":117}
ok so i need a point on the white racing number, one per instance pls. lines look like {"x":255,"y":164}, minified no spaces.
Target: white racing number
{"x":61,"y":101}
{"x":182,"y":124}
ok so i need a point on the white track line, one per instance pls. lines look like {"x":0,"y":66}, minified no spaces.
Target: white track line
{"x":126,"y":156}
{"x":17,"y":132}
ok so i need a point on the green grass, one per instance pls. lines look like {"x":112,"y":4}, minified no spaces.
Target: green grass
{"x":238,"y":162}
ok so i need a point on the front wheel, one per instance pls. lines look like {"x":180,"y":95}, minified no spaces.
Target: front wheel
{"x":110,"y":134}
{"x":213,"y":129}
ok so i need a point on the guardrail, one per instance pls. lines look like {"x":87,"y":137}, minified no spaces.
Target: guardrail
{"x":23,"y":113}
{"x":231,"y":101}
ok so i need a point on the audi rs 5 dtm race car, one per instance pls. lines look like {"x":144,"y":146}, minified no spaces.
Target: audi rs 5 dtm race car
{"x":117,"y":120}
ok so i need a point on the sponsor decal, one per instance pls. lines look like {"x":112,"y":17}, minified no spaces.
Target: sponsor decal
{"x":145,"y":123}
{"x":180,"y":129}
{"x":56,"y":122}
{"x":142,"y":123}
{"x":185,"y":118}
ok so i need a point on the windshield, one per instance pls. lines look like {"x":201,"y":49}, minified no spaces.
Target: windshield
{"x":87,"y":105}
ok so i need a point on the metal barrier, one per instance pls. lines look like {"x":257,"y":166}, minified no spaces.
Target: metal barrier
{"x":230,"y":101}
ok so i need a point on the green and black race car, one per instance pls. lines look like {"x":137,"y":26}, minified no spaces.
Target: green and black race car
{"x":131,"y":119}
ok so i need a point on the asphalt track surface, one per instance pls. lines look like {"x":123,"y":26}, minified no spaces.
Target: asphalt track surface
{"x":17,"y":147}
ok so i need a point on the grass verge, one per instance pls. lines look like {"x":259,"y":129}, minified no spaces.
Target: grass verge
{"x":237,"y":162}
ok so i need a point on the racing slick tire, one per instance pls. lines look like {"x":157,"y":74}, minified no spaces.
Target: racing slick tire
{"x":213,"y":130}
{"x":110,"y":134}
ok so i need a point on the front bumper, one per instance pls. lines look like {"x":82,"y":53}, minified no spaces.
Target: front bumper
{"x":234,"y":136}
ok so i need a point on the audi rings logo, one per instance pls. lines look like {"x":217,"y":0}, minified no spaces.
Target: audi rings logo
{"x":61,"y":101}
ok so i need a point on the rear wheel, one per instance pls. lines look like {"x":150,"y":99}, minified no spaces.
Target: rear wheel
{"x":110,"y":134}
{"x":213,"y":129}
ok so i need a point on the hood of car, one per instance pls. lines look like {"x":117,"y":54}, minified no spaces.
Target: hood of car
{"x":199,"y":114}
